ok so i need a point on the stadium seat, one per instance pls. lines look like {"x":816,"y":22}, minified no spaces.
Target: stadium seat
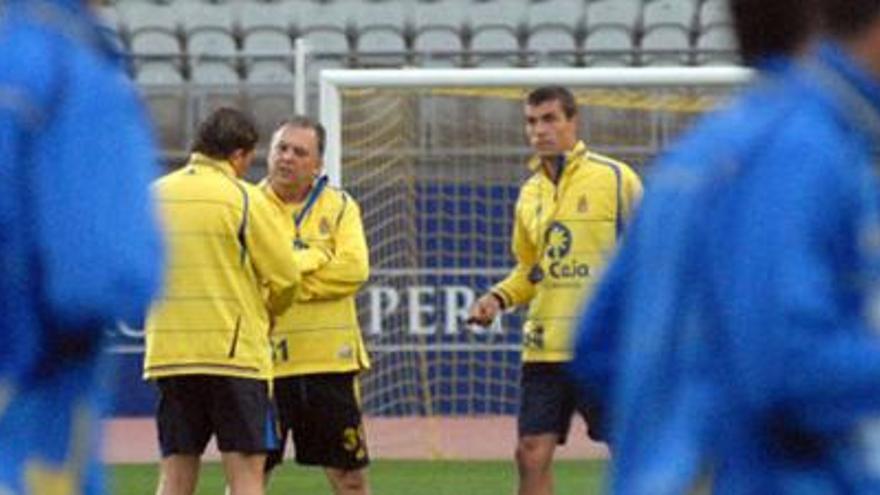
{"x":158,"y":73}
{"x":679,"y":13}
{"x":269,"y":72}
{"x":156,"y":51}
{"x":610,"y":45}
{"x":713,"y":13}
{"x":666,"y":45}
{"x":553,"y":46}
{"x":556,"y":29}
{"x":496,"y":28}
{"x":623,"y":13}
{"x":717,"y":46}
{"x":493,"y":46}
{"x":267,"y":53}
{"x":213,"y":73}
{"x":194,"y":14}
{"x":568,"y":13}
{"x":438,"y":38}
{"x":381,"y":32}
{"x":138,"y":16}
{"x":325,"y":27}
{"x":481,"y":14}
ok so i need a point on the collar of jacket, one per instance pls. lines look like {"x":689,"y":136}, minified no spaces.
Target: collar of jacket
{"x":198,"y":159}
{"x":275,"y":198}
{"x":572,"y":159}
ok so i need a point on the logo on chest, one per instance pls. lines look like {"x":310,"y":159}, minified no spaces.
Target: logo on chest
{"x":558,"y":240}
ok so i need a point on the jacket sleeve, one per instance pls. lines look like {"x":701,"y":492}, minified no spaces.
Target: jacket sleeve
{"x":516,"y":289}
{"x":349,"y":265}
{"x":631,"y":192}
{"x":310,"y":259}
{"x":271,"y":254}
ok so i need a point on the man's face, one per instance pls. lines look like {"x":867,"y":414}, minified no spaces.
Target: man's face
{"x":294,"y":159}
{"x":548,"y":130}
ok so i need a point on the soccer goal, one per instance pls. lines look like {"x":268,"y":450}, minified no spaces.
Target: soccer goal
{"x":435,"y":158}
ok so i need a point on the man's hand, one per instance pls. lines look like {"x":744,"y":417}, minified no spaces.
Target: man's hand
{"x":484,"y":310}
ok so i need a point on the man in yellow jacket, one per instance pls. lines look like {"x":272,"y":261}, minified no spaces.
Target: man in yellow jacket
{"x":318,"y":347}
{"x":207,"y":338}
{"x":569,"y":216}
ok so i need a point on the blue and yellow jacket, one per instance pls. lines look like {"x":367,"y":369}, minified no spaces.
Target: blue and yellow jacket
{"x":562,"y":235}
{"x":223,"y":249}
{"x":319,"y":332}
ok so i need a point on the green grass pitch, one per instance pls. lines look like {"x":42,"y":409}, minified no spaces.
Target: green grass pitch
{"x":386,"y":478}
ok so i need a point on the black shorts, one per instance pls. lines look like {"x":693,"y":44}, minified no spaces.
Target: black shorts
{"x":194,"y":407}
{"x":547,"y":401}
{"x":324,"y":415}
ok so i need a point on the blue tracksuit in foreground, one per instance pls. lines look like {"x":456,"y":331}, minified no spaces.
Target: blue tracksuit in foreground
{"x":79,"y":246}
{"x":730,"y":334}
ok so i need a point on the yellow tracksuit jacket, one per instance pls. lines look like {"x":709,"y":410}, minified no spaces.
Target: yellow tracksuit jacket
{"x":319,"y":333}
{"x":223,"y":249}
{"x":562,"y":236}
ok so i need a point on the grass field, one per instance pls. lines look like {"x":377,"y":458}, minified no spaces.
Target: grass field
{"x":386,"y":478}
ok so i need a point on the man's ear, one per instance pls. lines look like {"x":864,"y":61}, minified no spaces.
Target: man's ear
{"x":239,"y":161}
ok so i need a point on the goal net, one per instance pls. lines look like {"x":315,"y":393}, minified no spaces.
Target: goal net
{"x":435,"y":159}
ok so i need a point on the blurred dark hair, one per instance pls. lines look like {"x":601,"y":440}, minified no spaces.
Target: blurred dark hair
{"x":304,"y":122}
{"x":554,"y":93}
{"x":225,"y":131}
{"x":773,"y":27}
{"x":848,"y":18}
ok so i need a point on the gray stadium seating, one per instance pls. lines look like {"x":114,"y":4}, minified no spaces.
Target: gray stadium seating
{"x":254,"y":38}
{"x":623,"y":13}
{"x":716,"y":46}
{"x":714,"y":12}
{"x":438,"y":37}
{"x":669,"y":12}
{"x":665,"y":45}
{"x":556,"y":29}
{"x":382,"y":30}
{"x":609,"y":46}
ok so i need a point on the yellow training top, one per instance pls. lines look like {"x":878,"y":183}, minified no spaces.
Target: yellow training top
{"x":223,"y":248}
{"x":562,"y":236}
{"x":319,"y":333}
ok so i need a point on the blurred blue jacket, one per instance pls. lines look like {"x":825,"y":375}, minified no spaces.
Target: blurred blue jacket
{"x":79,"y":246}
{"x":726,"y":336}
{"x":632,"y":352}
{"x":791,"y":259}
{"x":79,"y":243}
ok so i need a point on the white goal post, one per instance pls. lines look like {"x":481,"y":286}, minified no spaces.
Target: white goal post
{"x":435,"y":158}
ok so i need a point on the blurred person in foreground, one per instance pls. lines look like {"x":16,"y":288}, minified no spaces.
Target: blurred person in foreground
{"x":569,"y":215}
{"x":317,"y":343}
{"x":79,"y":245}
{"x":207,"y":337}
{"x":733,"y":334}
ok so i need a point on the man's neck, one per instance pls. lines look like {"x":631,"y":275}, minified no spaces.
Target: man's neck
{"x":293,"y":195}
